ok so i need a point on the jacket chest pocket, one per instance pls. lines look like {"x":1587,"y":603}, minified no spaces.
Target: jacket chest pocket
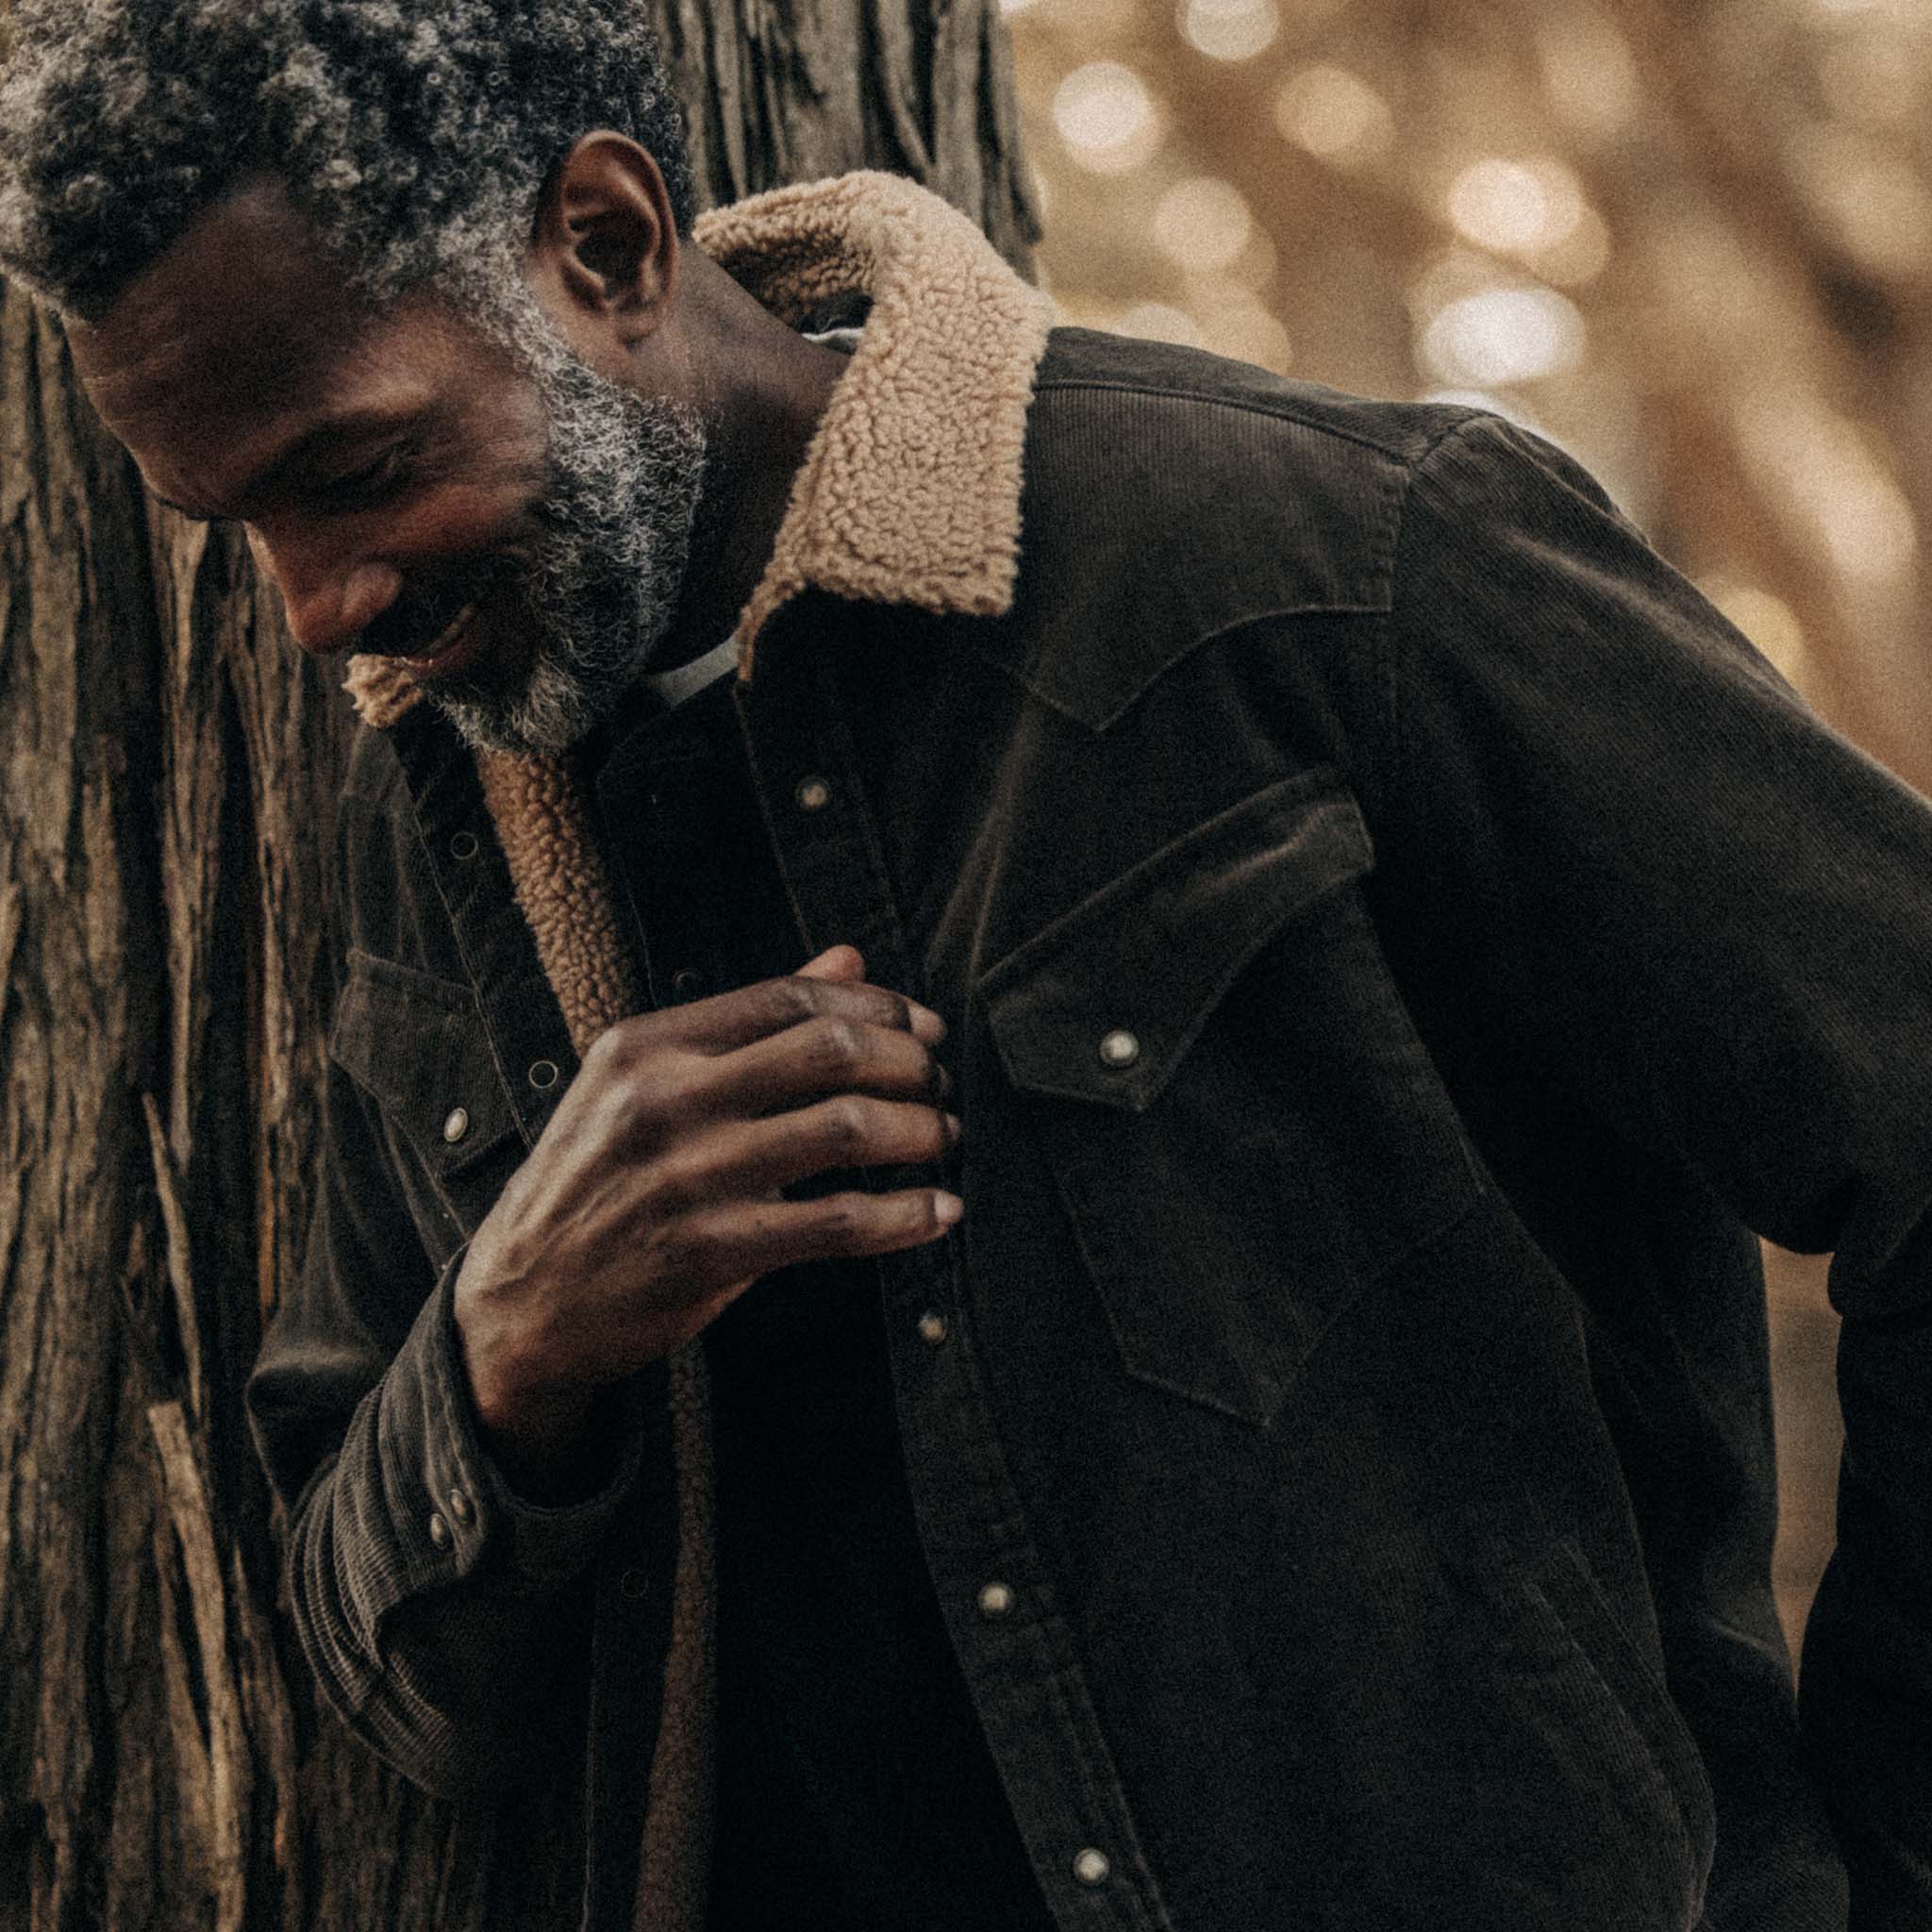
{"x":1244,"y":1129}
{"x":418,"y":1046}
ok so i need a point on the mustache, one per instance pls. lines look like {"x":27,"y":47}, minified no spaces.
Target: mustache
{"x":423,"y":612}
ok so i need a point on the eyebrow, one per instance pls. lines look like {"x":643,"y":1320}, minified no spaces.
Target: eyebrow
{"x":345,"y":427}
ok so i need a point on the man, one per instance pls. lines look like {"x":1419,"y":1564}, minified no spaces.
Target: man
{"x":1235,"y":1364}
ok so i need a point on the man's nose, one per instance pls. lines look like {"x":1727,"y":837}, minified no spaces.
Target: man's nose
{"x":329,"y":598}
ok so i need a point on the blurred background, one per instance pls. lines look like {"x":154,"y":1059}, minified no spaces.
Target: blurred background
{"x":1691,"y":243}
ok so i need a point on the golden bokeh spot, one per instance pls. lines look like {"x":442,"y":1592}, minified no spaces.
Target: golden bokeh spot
{"x":1107,"y":117}
{"x":1229,"y":30}
{"x":1203,"y":223}
{"x":1333,"y":114}
{"x":1503,"y":336}
{"x":1515,"y":207}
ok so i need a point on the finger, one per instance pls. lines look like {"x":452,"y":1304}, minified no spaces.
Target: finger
{"x":747,"y":1159}
{"x":843,"y":962}
{"x":753,"y":1238}
{"x":835,"y":962}
{"x":728,"y":1021}
{"x":832,"y":1054}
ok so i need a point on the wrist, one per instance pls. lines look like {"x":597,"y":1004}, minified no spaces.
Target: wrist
{"x":533,"y":1428}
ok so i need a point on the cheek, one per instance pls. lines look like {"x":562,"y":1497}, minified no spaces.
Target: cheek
{"x":503,"y":459}
{"x":469,"y":520}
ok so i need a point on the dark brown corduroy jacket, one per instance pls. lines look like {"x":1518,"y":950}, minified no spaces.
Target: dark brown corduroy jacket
{"x":1397,"y":941}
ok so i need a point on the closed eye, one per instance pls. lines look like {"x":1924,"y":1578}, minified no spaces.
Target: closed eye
{"x":371,"y":483}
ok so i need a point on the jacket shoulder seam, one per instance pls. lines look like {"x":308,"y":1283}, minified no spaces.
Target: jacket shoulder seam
{"x":1250,"y":407}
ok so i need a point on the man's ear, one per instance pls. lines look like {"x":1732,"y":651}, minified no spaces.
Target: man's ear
{"x":605,"y":239}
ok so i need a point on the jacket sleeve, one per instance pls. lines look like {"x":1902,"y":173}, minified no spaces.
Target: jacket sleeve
{"x":1674,"y":881}
{"x":439,"y":1611}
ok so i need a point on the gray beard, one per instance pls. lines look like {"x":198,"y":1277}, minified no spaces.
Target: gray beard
{"x":626,"y":472}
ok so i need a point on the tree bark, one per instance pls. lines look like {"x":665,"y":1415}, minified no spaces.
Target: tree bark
{"x":170,"y":765}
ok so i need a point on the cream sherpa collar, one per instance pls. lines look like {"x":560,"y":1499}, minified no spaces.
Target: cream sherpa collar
{"x":909,"y":492}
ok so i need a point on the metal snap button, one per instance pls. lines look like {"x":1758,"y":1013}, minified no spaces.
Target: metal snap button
{"x":687,"y":983}
{"x":439,"y":1531}
{"x":932,"y":1327}
{"x":1118,"y":1048}
{"x":543,"y":1073}
{"x":1090,"y":1865}
{"x":463,"y":845}
{"x":459,"y":1506}
{"x":634,"y":1584}
{"x":995,"y":1599}
{"x":455,"y":1125}
{"x":813,"y":793}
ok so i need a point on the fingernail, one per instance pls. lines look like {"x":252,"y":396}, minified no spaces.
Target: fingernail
{"x":947,"y":1208}
{"x":953,"y":1129}
{"x":926,"y":1025}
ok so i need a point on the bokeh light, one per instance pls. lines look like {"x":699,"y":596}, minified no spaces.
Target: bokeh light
{"x":1203,"y":223}
{"x":1533,"y":209}
{"x":1515,"y":207}
{"x":1503,"y":336}
{"x":1335,"y":114}
{"x":1229,"y":30}
{"x":1107,"y":117}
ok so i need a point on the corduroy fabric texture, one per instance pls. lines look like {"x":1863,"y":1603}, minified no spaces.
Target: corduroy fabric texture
{"x":908,"y":494}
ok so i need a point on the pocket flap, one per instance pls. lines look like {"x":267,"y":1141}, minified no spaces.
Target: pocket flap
{"x":1103,"y":1004}
{"x":419,"y":1045}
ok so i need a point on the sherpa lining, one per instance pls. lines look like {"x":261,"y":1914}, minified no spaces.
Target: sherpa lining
{"x":910,"y":491}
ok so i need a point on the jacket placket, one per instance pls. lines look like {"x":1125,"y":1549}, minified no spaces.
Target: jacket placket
{"x":1015,"y":1648}
{"x":528,"y":1035}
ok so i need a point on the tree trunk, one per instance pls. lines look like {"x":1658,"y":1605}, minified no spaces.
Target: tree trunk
{"x":170,"y":765}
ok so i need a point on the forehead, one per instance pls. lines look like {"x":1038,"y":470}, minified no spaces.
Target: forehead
{"x":244,"y":330}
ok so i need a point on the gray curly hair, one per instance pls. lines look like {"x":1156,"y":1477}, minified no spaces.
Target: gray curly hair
{"x":415,"y":134}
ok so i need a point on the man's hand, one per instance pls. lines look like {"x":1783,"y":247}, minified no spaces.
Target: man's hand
{"x":652,"y":1200}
